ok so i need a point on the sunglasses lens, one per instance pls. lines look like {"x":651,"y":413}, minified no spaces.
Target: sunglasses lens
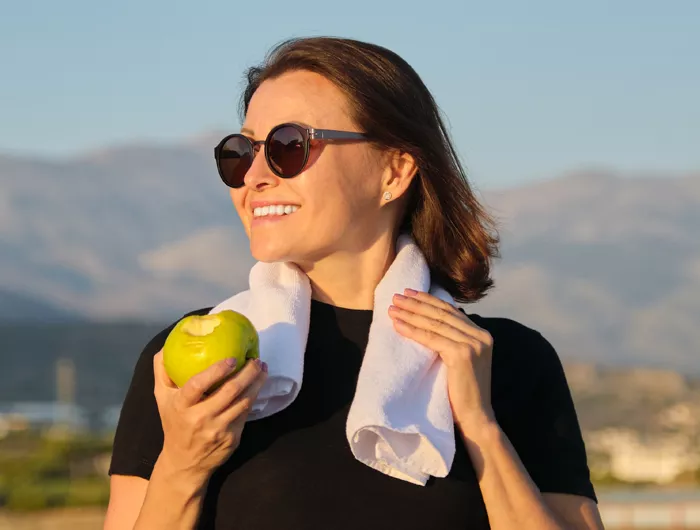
{"x":235,"y":159}
{"x":286,"y":151}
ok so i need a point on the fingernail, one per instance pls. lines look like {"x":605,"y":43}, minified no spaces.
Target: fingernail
{"x":410,"y":292}
{"x":231,"y":361}
{"x":393,"y":308}
{"x":264,"y":367}
{"x":258,"y":362}
{"x":399,"y":296}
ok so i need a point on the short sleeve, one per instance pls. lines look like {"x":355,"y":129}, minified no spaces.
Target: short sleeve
{"x":546,"y":432}
{"x":138,"y":439}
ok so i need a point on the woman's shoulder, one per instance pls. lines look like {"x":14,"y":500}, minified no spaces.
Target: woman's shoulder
{"x":517,"y":347}
{"x":507,"y":330}
{"x":202,"y":311}
{"x":198,"y":312}
{"x":143,"y":370}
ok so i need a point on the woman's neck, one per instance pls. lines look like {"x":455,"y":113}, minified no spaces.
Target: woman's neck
{"x":349,"y":279}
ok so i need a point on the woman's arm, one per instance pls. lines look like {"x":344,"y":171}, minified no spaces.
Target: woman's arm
{"x":181,"y":493}
{"x":126,"y":495}
{"x":136,"y":503}
{"x":510,"y":494}
{"x":576,"y":511}
{"x":512,"y":499}
{"x":200,"y":433}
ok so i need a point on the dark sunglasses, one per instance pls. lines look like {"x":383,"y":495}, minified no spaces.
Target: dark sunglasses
{"x":286,"y":151}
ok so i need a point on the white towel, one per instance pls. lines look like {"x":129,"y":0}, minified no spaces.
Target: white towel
{"x":400,"y":421}
{"x":278,"y":304}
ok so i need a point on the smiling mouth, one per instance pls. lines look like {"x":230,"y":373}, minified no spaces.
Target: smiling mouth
{"x":274,"y":210}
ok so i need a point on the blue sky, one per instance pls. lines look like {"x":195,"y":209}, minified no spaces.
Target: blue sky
{"x":530,"y":88}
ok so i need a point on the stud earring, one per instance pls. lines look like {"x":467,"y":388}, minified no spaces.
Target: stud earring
{"x":387,"y":195}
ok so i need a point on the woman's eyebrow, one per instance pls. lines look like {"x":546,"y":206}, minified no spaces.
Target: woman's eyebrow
{"x":249,"y":131}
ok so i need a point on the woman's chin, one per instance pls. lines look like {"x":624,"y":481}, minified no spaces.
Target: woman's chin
{"x":269,"y":253}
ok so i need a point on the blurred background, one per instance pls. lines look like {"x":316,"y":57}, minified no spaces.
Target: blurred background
{"x":580,"y":128}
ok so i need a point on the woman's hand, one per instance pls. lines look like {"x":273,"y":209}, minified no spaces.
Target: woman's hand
{"x":465,"y":348}
{"x":202,"y":431}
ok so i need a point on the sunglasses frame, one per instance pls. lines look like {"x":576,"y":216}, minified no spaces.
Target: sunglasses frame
{"x":307,"y":134}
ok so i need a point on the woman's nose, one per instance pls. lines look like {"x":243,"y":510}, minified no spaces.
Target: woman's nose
{"x":259,"y":176}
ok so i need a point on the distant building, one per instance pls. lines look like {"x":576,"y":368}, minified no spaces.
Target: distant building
{"x":110,"y":417}
{"x":42,"y":416}
{"x":658,"y":459}
{"x":684,"y":416}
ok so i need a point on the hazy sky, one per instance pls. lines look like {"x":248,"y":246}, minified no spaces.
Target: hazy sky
{"x":530,"y":88}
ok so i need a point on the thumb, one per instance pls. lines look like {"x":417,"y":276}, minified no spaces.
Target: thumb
{"x":162,"y":382}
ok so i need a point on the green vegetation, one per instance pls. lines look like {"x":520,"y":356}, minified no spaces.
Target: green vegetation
{"x":42,"y":472}
{"x":51,"y":471}
{"x":609,"y":481}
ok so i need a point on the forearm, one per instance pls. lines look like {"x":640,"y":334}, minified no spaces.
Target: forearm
{"x":173,"y":501}
{"x":511,"y":497}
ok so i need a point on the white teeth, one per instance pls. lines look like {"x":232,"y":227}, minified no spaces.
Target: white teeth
{"x":278,"y":209}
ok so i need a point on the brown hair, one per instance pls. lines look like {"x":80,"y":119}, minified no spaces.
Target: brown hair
{"x":390,"y":102}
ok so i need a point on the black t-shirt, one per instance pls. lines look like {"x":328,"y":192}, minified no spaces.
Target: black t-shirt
{"x":295,"y":470}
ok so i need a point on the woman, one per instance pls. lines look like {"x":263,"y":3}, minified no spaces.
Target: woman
{"x":362,"y":156}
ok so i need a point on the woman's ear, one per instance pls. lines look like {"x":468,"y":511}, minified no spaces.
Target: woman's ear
{"x":401,"y":170}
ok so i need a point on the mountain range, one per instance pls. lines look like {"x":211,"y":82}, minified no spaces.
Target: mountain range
{"x":606,"y":266}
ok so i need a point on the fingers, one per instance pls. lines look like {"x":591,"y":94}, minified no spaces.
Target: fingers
{"x":241,"y":407}
{"x":430,"y":308}
{"x":430,"y":339}
{"x":441,"y":312}
{"x":222,"y":398}
{"x":451,"y":352}
{"x":417,"y":320}
{"x":194,"y":389}
{"x":431,"y":300}
{"x":161,"y":380}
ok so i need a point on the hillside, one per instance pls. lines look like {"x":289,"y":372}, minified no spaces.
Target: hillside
{"x":15,"y":307}
{"x":606,"y":266}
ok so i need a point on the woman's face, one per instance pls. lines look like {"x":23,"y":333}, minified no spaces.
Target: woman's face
{"x":339,"y":193}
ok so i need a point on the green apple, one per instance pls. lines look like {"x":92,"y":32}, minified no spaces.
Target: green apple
{"x":197,"y":342}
